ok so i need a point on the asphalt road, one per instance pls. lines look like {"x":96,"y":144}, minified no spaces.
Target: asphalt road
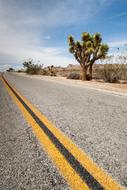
{"x":23,"y":163}
{"x":96,"y":121}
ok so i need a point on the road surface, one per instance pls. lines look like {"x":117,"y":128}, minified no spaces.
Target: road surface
{"x":95,"y":121}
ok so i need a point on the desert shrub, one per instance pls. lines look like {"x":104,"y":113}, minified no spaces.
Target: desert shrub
{"x":45,"y":72}
{"x":64,"y":75}
{"x":111,"y":73}
{"x":10,"y":70}
{"x":51,"y":70}
{"x":124,"y":71}
{"x":32,"y":68}
{"x":20,"y":71}
{"x":77,"y":76}
{"x":73,"y":76}
{"x":98,"y":72}
{"x":53,"y":74}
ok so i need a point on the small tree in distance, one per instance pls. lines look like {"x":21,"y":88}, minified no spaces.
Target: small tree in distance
{"x":10,"y":69}
{"x":52,"y":70}
{"x":86,"y":52}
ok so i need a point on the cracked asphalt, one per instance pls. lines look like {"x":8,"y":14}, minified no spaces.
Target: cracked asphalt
{"x":96,"y":121}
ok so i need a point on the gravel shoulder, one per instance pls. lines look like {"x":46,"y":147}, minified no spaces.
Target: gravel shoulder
{"x":23,"y":163}
{"x":95,"y":120}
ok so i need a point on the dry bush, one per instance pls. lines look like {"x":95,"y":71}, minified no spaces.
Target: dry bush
{"x":75,"y":76}
{"x":124,"y":71}
{"x":52,"y":70}
{"x":32,"y":68}
{"x":20,"y":71}
{"x":112,"y":73}
{"x":64,"y":75}
{"x":44,"y":72}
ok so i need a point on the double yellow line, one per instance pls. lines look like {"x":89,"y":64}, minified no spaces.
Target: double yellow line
{"x":74,"y":164}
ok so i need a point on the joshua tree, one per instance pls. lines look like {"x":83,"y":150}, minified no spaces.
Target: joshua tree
{"x":88,"y":51}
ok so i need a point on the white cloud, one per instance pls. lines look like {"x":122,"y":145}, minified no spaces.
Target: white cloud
{"x":117,"y":44}
{"x":26,"y":25}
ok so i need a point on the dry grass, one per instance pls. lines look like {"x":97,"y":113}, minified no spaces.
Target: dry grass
{"x":107,"y":72}
{"x":101,"y":72}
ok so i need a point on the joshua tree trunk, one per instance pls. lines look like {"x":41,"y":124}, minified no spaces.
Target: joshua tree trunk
{"x":84,"y":73}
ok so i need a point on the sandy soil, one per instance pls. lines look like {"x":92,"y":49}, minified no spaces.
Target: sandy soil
{"x":120,"y":88}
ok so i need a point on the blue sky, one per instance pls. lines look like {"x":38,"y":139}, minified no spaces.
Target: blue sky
{"x":39,"y":29}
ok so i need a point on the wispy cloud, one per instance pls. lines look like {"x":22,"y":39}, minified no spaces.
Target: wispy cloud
{"x":26,"y":27}
{"x":117,"y":44}
{"x":119,"y":15}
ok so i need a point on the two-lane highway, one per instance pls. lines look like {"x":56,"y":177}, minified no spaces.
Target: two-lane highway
{"x":95,"y":121}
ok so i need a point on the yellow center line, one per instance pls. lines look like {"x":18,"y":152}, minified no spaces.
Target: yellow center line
{"x":66,"y":170}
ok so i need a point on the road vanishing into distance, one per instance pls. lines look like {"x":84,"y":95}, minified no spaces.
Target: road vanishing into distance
{"x":95,"y":121}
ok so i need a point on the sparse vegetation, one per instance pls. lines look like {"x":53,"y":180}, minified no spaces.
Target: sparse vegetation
{"x":10,"y":69}
{"x":113,"y":73}
{"x":45,"y":72}
{"x":86,"y":52}
{"x":52,"y":70}
{"x":20,"y":71}
{"x":75,"y":76}
{"x":32,"y":68}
